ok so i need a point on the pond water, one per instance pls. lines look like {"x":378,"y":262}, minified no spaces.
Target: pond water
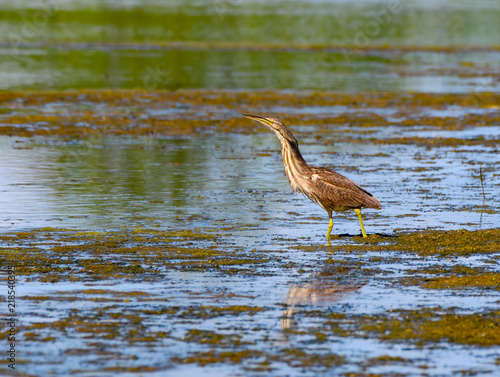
{"x":153,"y":229}
{"x":443,"y":46}
{"x":225,"y":178}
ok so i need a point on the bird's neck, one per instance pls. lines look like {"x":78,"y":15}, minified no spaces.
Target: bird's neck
{"x":296,"y":168}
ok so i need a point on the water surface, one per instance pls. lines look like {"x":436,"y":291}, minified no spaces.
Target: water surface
{"x":155,"y":233}
{"x":333,"y":45}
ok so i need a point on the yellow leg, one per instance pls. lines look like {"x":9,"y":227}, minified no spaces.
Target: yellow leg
{"x":330,"y":226}
{"x":358,"y":212}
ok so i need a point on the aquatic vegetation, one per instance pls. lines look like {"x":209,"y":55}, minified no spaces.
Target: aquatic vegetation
{"x":53,"y":254}
{"x":211,"y":337}
{"x":432,"y":243}
{"x":430,"y":325}
{"x":487,"y":280}
{"x":138,"y":317}
{"x":143,"y":254}
{"x":386,"y":360}
{"x":294,"y":357}
{"x":128,"y":113}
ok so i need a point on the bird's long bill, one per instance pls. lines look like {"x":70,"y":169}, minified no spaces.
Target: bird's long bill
{"x":265,"y":121}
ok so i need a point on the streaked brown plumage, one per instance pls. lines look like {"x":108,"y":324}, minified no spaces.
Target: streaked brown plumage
{"x":332,"y":191}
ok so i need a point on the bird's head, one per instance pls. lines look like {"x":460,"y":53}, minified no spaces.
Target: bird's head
{"x":276,"y":125}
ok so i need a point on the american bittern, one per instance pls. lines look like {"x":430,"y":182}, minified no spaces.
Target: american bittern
{"x":332,"y":191}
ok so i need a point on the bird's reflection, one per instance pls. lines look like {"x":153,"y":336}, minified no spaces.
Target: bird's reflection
{"x":319,"y":291}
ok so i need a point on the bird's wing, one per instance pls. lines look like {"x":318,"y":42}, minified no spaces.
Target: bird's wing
{"x":337,"y":191}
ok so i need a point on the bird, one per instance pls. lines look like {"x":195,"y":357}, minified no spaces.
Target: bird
{"x":329,"y":189}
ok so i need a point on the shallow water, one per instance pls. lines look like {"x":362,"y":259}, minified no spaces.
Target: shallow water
{"x":232,"y":186}
{"x":155,"y":233}
{"x":103,"y":183}
{"x":286,"y":297}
